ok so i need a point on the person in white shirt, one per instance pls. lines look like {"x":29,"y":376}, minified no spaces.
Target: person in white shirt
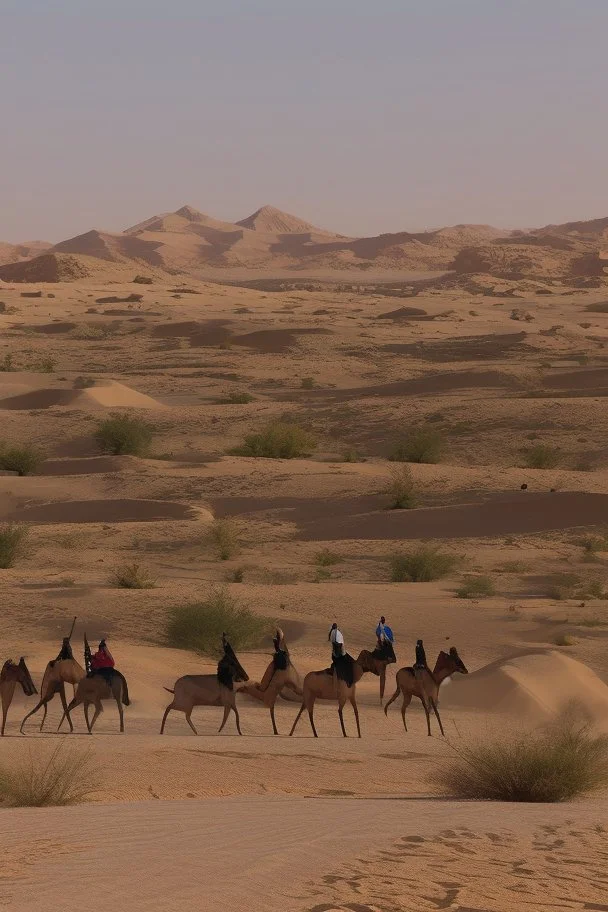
{"x":337,"y":642}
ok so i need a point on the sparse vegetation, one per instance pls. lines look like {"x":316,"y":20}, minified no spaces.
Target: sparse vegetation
{"x":570,"y":586}
{"x":278,"y":440}
{"x":307,"y":383}
{"x":237,"y":575}
{"x":562,"y":762}
{"x":237,"y":398}
{"x":89,"y":331}
{"x":352,"y":455}
{"x":68,"y":776}
{"x":142,"y":280}
{"x":12,"y":544}
{"x":322,"y":575}
{"x":84,"y":382}
{"x":564,"y":639}
{"x":593,"y":544}
{"x":542,"y":456}
{"x":423,"y":565}
{"x":132,"y":576}
{"x":422,"y":444}
{"x":401,"y":488}
{"x":224,"y":535}
{"x":327,"y":558}
{"x":23,"y":459}
{"x":199,"y":625}
{"x":7,"y":363}
{"x":122,"y":434}
{"x":474,"y":587}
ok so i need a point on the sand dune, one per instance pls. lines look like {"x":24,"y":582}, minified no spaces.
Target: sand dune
{"x":108,"y":511}
{"x":535,"y":686}
{"x":104,"y":394}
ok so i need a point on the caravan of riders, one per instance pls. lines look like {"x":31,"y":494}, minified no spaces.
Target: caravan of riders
{"x":100,"y":680}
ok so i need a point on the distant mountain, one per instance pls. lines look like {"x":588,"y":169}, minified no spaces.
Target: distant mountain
{"x":271,"y":241}
{"x":16,"y":253}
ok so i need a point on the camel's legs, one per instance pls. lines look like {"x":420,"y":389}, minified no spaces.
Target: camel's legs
{"x":407,"y":699}
{"x":238,"y":721}
{"x":341,"y":715}
{"x":428,"y":715}
{"x":65,"y":706}
{"x":311,"y":707}
{"x":31,"y":713}
{"x":297,"y":719}
{"x":436,"y":711}
{"x":189,"y":720}
{"x":167,"y":711}
{"x":226,"y":713}
{"x":120,"y":712}
{"x":392,"y":700}
{"x":98,"y":711}
{"x":7,"y":698}
{"x":382,"y":682}
{"x":43,"y":716}
{"x":274,"y":724}
{"x":86,"y":717}
{"x":356,"y":712}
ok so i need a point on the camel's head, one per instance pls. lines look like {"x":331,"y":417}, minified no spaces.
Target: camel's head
{"x":457,"y":662}
{"x":25,"y":679}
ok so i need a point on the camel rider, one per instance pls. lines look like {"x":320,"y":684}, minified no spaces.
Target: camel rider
{"x":280,"y":658}
{"x":341,"y":662}
{"x":420,"y":656}
{"x":66,"y":650}
{"x":386,"y":639}
{"x":102,"y":662}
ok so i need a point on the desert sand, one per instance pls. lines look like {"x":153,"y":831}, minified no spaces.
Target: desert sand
{"x":263,"y":822}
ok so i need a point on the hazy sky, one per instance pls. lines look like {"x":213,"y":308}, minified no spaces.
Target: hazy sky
{"x":359,"y":115}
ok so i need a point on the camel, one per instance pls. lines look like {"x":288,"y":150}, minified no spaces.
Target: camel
{"x":279,"y":675}
{"x":424,"y":684}
{"x":12,"y":674}
{"x":57,"y":674}
{"x":323,"y":685}
{"x":209,"y":690}
{"x":380,"y":658}
{"x":108,"y":684}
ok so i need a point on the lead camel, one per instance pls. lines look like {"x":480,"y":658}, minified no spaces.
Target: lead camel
{"x":424,"y":684}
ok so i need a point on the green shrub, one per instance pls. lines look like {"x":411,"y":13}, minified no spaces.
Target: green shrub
{"x":122,"y":434}
{"x":224,"y":535}
{"x":199,"y":625}
{"x":12,"y":544}
{"x":8,"y":362}
{"x":570,"y":586}
{"x":557,"y":764}
{"x":564,"y":639}
{"x":593,"y":544}
{"x":67,"y":776}
{"x":132,"y":576}
{"x":542,"y":456}
{"x":401,"y":488}
{"x":237,"y":398}
{"x":476,"y":587}
{"x":23,"y":459}
{"x":237,"y":575}
{"x":307,"y":383}
{"x":322,"y":575}
{"x":425,"y":445}
{"x":352,"y":455}
{"x":327,"y":558}
{"x":278,"y":440}
{"x":423,"y":565}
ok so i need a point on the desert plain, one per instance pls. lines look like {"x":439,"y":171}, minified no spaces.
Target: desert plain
{"x":495,"y":365}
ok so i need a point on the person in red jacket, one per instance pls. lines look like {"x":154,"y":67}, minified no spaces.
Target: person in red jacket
{"x":102,"y":658}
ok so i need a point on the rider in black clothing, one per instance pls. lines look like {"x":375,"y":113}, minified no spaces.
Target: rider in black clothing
{"x":65,"y":651}
{"x":420,"y":656}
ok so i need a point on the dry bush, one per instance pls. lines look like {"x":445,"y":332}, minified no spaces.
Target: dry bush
{"x":237,"y":397}
{"x":401,"y":488}
{"x":278,"y":440}
{"x":67,"y":776}
{"x":571,"y":586}
{"x":564,"y":639}
{"x":542,"y":456}
{"x":12,"y":544}
{"x":124,"y":434}
{"x":199,"y":625}
{"x":225,"y":536}
{"x":422,"y":444}
{"x":423,"y":565}
{"x":132,"y":576}
{"x":327,"y":558}
{"x":476,"y":587}
{"x":23,"y":459}
{"x":559,"y":763}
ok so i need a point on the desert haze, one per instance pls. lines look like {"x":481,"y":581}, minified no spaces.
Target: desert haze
{"x":264,"y":424}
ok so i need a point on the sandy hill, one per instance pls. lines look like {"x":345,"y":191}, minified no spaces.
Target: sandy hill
{"x":15,"y":253}
{"x":272,"y":241}
{"x":49,"y":267}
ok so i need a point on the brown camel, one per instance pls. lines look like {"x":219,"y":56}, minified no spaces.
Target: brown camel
{"x":323,"y":685}
{"x":105,"y":684}
{"x":57,"y":674}
{"x":12,"y":674}
{"x":424,"y":684}
{"x":380,"y":659}
{"x":279,"y":675}
{"x":209,"y":690}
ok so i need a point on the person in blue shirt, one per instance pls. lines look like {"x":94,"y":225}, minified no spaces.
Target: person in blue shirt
{"x":384,"y":632}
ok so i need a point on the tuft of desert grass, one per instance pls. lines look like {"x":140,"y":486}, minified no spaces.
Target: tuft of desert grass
{"x":422,"y":444}
{"x":12,"y":544}
{"x":564,"y":761}
{"x":225,"y":537}
{"x":22,"y":459}
{"x":401,"y":488}
{"x":121,"y":434}
{"x":199,"y":625}
{"x":132,"y":576}
{"x":67,"y":776}
{"x":423,"y":565}
{"x":278,"y":440}
{"x":473,"y":587}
